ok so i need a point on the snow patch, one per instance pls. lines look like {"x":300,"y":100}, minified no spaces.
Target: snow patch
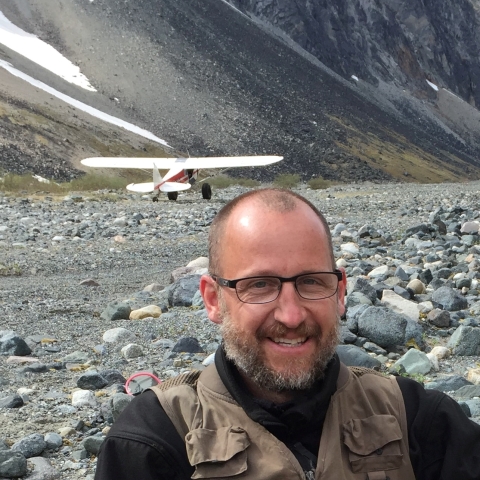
{"x":83,"y":106}
{"x":432,"y":85}
{"x":36,"y":50}
{"x":354,"y":77}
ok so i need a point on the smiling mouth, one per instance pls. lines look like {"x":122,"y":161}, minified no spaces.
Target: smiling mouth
{"x":289,"y":342}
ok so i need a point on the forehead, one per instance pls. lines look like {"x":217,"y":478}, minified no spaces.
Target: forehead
{"x":258,"y":240}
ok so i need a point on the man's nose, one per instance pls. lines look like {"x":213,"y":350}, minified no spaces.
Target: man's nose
{"x":289,"y":309}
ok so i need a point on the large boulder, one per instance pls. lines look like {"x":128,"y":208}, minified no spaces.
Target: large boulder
{"x":382,"y":326}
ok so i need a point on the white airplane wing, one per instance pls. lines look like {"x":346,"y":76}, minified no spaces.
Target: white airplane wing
{"x":174,"y":187}
{"x":141,"y":187}
{"x":165,"y":187}
{"x":180,"y":163}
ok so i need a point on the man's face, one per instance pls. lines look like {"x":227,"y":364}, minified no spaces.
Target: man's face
{"x":284,"y":344}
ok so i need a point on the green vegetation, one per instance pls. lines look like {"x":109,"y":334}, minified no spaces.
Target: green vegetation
{"x":287,"y":180}
{"x":318,"y":183}
{"x":93,"y":181}
{"x":27,"y":185}
{"x":222,"y":181}
{"x":9,"y":270}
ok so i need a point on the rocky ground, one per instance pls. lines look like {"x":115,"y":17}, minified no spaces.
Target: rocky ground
{"x":73,"y":270}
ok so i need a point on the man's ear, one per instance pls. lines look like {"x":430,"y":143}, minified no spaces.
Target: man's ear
{"x":209,"y":291}
{"x":342,"y":291}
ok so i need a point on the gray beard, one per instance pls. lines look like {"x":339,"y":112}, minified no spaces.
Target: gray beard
{"x":301,"y":373}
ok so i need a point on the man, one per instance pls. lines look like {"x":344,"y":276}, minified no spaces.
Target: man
{"x":278,"y":404}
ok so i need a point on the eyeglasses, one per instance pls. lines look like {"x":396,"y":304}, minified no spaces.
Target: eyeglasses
{"x":266,"y":289}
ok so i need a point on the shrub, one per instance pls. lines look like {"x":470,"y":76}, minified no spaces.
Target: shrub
{"x":287,"y":180}
{"x":318,"y":183}
{"x":92,"y":181}
{"x":27,"y":184}
{"x":222,"y":181}
{"x":9,"y":270}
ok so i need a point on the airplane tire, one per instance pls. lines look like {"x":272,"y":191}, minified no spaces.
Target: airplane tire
{"x":172,"y":195}
{"x":155,"y":199}
{"x":206,"y":191}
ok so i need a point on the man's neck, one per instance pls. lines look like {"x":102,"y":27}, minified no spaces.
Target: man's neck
{"x":264,"y":394}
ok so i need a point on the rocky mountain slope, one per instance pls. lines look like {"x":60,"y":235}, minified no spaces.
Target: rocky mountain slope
{"x":212,"y":81}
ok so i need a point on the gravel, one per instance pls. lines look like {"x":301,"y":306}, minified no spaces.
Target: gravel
{"x":49,"y":246}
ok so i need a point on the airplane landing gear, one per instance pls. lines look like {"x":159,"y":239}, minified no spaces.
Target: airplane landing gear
{"x":206,"y":191}
{"x":155,"y":198}
{"x":172,"y":195}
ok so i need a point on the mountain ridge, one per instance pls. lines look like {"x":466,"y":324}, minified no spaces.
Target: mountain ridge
{"x":211,"y":82}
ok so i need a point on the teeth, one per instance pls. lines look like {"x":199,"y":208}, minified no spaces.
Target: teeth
{"x":289,"y":341}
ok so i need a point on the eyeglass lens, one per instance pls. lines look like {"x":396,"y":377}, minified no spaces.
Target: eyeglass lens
{"x":313,"y":286}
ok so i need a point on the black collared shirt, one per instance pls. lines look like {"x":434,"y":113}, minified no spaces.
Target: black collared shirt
{"x":143,"y":443}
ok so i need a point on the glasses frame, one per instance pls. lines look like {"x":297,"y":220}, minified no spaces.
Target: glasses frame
{"x":223,"y":282}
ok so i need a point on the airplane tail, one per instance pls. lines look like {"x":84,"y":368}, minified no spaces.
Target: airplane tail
{"x":157,"y":178}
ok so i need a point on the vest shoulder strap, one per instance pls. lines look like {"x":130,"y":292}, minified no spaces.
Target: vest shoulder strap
{"x":360,"y":371}
{"x":187,"y":383}
{"x":189,"y":378}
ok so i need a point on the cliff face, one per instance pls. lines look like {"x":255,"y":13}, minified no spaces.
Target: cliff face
{"x":400,"y":41}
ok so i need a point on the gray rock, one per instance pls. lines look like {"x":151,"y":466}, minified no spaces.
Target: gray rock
{"x":118,"y":335}
{"x":116,"y":311}
{"x":119,"y":403}
{"x":53,"y":440}
{"x":31,"y":445}
{"x":12,"y":464}
{"x":11,"y":401}
{"x":12,"y":344}
{"x":182,"y":292}
{"x":401,"y":274}
{"x":382,"y":326}
{"x":450,"y":383}
{"x":372,"y":347}
{"x":132,"y":350}
{"x":468,"y":391}
{"x":42,"y":469}
{"x":80,"y":454}
{"x":449,"y":299}
{"x":113,"y":376}
{"x":92,"y":444}
{"x":33,"y":368}
{"x":474,"y":407}
{"x":76,"y":357}
{"x":414,"y":361}
{"x":353,"y":356}
{"x":197,"y":300}
{"x":439,"y":318}
{"x":91,"y":380}
{"x":346,"y":336}
{"x":188,"y":345}
{"x":363,"y":286}
{"x":414,"y":331}
{"x":357,"y":298}
{"x":352,"y":315}
{"x":465,"y":341}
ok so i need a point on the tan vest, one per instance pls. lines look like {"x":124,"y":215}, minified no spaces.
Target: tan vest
{"x":364,"y":436}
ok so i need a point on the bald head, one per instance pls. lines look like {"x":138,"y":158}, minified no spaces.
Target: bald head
{"x":264,"y":200}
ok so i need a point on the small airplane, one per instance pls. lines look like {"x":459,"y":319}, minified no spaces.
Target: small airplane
{"x":182,"y":172}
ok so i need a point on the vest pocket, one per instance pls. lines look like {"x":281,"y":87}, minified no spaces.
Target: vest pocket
{"x":217,"y":453}
{"x":374,"y":443}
